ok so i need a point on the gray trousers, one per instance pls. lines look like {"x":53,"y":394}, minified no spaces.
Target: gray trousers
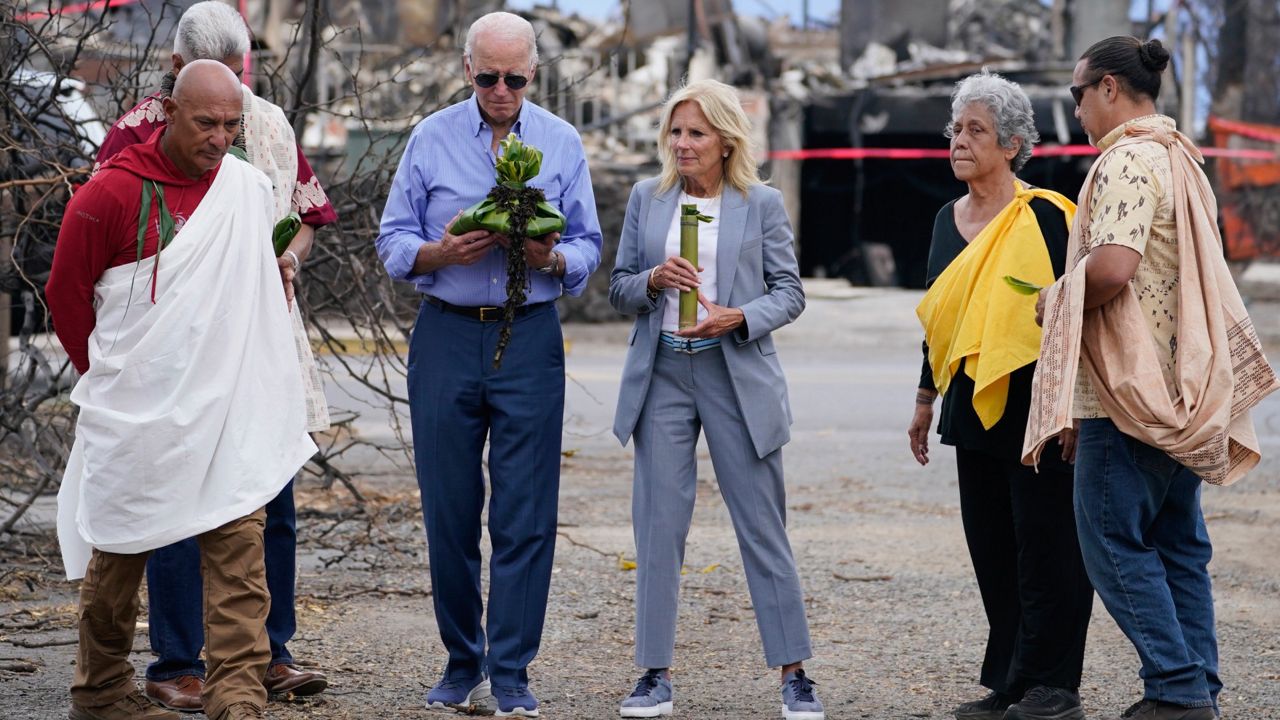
{"x":689,"y":394}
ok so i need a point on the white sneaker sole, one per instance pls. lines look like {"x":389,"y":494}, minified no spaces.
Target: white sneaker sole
{"x":479,"y":692}
{"x":647,"y":712}
{"x":517,"y":712}
{"x":802,"y":714}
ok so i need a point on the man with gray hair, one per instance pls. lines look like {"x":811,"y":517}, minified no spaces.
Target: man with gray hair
{"x":457,"y":399}
{"x":172,"y":439}
{"x":213,"y":30}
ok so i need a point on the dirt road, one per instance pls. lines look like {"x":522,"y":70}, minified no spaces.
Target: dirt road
{"x":893,"y":607}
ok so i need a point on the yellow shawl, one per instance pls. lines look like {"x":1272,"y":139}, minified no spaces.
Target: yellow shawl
{"x":970,"y":314}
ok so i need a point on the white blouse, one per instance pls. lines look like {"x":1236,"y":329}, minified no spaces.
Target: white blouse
{"x":708,"y":237}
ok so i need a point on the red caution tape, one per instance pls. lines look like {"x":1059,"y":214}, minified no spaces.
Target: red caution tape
{"x":861,"y":154}
{"x":73,"y":9}
{"x":1266,"y":133}
{"x":942,"y":154}
{"x":1240,"y":153}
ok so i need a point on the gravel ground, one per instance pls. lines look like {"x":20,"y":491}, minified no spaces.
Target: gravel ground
{"x":893,"y":607}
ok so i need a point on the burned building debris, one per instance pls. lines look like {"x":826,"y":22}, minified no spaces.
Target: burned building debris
{"x":876,"y":79}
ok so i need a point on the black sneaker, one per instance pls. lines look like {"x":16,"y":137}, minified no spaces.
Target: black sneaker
{"x":1047,"y":703}
{"x":991,"y":707}
{"x":1156,"y":710}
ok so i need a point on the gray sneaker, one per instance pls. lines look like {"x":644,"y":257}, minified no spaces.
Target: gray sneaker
{"x":799,"y":701}
{"x":652,"y":697}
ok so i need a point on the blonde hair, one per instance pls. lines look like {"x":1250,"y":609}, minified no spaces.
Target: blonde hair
{"x":723,"y":109}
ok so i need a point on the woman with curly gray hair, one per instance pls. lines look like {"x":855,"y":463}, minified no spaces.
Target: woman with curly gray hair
{"x":981,"y":346}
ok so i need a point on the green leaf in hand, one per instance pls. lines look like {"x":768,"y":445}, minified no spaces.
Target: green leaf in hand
{"x":1022,"y":286}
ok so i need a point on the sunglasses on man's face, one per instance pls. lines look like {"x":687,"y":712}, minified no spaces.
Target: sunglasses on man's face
{"x":488,"y":80}
{"x":1077,"y":91}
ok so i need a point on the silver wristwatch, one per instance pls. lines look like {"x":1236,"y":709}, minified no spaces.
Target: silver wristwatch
{"x":550,"y":267}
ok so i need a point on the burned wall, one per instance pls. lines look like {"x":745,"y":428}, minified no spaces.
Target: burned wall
{"x":892,"y":23}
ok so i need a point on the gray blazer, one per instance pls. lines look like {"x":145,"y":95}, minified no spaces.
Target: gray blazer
{"x":756,"y":272}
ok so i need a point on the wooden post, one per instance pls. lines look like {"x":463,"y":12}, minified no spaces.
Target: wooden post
{"x":1186,"y":123}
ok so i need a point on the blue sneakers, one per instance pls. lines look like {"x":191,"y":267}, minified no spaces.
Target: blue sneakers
{"x":799,"y":701}
{"x":515,"y":701}
{"x":651,"y":698}
{"x":458,"y":694}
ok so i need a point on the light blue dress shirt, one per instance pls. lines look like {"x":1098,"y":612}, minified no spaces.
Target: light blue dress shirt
{"x":448,"y":166}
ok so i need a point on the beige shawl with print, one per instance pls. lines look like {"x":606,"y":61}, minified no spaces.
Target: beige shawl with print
{"x":1221,"y":371}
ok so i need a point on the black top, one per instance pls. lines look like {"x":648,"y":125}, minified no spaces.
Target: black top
{"x":958,"y":422}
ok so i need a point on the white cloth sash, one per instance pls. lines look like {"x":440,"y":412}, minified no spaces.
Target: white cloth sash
{"x":192,"y":411}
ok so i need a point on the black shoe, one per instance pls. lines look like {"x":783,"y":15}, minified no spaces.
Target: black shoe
{"x":1047,"y":703}
{"x":991,"y":707}
{"x":1157,"y":710}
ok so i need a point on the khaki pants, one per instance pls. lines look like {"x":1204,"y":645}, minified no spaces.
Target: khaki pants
{"x":236,"y":602}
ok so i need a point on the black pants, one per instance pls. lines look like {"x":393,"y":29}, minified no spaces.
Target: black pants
{"x":1021,"y":531}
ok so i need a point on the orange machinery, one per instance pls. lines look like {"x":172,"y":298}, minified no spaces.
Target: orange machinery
{"x":1248,"y":189}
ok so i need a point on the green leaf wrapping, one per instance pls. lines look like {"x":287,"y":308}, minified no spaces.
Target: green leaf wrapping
{"x":486,"y":215}
{"x":285,"y":231}
{"x":689,"y":218}
{"x":518,"y":164}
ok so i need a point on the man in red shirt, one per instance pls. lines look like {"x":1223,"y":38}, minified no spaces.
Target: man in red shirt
{"x":166,"y":297}
{"x":214,"y":31}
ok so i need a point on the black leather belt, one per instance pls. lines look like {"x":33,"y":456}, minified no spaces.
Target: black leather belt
{"x":483,"y":314}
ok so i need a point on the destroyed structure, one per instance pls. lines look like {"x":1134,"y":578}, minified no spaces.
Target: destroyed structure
{"x":879,"y":78}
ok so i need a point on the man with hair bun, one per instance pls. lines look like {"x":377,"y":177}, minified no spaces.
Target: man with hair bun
{"x":1148,"y":348}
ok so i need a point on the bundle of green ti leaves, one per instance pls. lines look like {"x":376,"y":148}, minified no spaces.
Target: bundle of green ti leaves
{"x":517,"y":211}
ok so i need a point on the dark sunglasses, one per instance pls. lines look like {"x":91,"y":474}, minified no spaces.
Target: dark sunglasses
{"x":1077,"y":91}
{"x":488,"y":80}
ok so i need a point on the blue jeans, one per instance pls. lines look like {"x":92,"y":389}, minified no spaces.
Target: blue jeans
{"x":1144,"y":543}
{"x":175,"y":595}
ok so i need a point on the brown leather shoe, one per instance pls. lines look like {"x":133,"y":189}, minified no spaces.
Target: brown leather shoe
{"x":284,"y":679}
{"x":181,"y":693}
{"x":242,"y":711}
{"x":130,"y":707}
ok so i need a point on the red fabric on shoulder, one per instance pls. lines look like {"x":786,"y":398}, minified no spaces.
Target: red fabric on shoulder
{"x":100,"y":231}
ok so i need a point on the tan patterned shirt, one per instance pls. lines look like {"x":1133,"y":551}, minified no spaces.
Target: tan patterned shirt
{"x":1132,"y":205}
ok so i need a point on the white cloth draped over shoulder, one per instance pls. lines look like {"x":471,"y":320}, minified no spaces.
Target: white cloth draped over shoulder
{"x":192,"y":411}
{"x":271,"y":147}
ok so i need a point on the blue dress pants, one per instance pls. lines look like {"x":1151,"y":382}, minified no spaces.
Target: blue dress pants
{"x":458,"y":400}
{"x":175,"y":595}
